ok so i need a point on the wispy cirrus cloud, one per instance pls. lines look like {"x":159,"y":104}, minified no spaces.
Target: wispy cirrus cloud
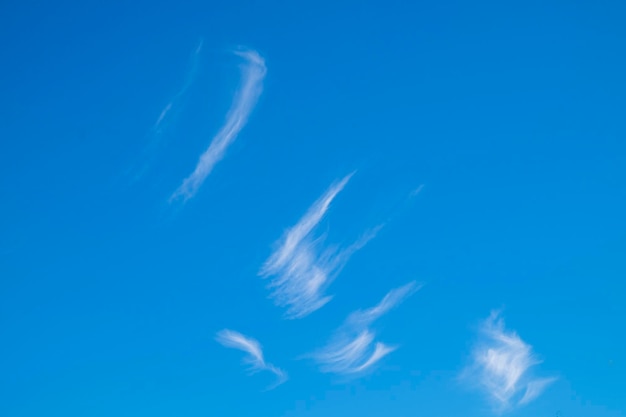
{"x":301,"y":269}
{"x":170,"y":107}
{"x":501,"y":366}
{"x":254,"y":358}
{"x":353,"y":349}
{"x":417,"y":190}
{"x":253,"y":73}
{"x":169,"y":114}
{"x":363,"y":318}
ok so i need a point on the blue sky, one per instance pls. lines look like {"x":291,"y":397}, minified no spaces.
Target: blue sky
{"x":313,"y":209}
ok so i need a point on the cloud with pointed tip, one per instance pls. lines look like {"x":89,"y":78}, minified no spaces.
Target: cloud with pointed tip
{"x":254,"y":358}
{"x":353,"y":349}
{"x":300,"y":268}
{"x":501,"y":366}
{"x":363,"y":318}
{"x":253,"y":73}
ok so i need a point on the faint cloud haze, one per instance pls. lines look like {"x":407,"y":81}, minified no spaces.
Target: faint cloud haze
{"x":417,"y":190}
{"x":169,"y":113}
{"x":191,"y":75}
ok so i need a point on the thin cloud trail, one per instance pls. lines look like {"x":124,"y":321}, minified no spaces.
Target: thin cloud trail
{"x":353,"y":349}
{"x":254,"y":358}
{"x":363,"y":318}
{"x":189,"y":80}
{"x":380,"y":350}
{"x":168,"y":114}
{"x":501,"y":364}
{"x":417,"y":190}
{"x":535,"y":388}
{"x":301,"y":269}
{"x":253,"y":73}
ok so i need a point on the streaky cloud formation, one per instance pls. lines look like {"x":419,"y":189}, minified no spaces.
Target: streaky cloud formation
{"x":168,"y":115}
{"x":235,"y":340}
{"x":501,"y":366}
{"x":392,"y":298}
{"x":191,"y":75}
{"x":534,"y":388}
{"x":417,"y":190}
{"x":353,"y":349}
{"x":301,"y":270}
{"x":297,"y":233}
{"x":253,"y":73}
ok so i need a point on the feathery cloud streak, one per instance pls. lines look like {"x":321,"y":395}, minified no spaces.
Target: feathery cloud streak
{"x":501,"y":364}
{"x":166,"y":118}
{"x":253,"y":73}
{"x":191,"y":75}
{"x":417,"y":190}
{"x":301,"y":270}
{"x":363,"y":318}
{"x":353,"y":348}
{"x":236,"y":340}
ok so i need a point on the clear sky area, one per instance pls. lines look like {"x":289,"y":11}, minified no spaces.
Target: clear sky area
{"x":313,"y":209}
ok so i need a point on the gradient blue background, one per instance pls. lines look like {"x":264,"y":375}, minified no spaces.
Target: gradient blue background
{"x":510,"y":113}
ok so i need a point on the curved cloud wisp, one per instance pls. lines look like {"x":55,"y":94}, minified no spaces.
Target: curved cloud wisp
{"x":501,"y":366}
{"x":354,"y":348}
{"x":173,"y":103}
{"x":300,"y":269}
{"x":392,"y":299}
{"x":253,"y":73}
{"x":236,"y":340}
{"x":168,"y":117}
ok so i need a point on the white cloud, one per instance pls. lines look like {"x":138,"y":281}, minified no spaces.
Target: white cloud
{"x":501,"y":366}
{"x":380,"y":350}
{"x":254,"y":358}
{"x":353,"y":349}
{"x":393,"y":298}
{"x":534,"y":388}
{"x":253,"y":73}
{"x":300,"y":268}
{"x":346,"y":354}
